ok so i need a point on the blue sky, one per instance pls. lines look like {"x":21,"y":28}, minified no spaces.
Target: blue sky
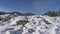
{"x":33,"y":6}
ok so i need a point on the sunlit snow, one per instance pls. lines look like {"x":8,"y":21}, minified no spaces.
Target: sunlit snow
{"x":37,"y":24}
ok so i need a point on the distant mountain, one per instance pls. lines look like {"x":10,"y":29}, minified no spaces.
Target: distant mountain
{"x":29,"y":14}
{"x":1,"y":13}
{"x":17,"y":13}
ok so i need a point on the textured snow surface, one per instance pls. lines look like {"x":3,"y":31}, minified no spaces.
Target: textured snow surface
{"x":36,"y":25}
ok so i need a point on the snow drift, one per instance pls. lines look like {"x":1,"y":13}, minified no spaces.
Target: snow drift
{"x":37,"y":24}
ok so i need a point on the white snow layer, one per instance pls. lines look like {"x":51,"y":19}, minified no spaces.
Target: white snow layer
{"x":36,"y":25}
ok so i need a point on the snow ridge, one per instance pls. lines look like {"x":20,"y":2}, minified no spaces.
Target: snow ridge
{"x":37,"y":24}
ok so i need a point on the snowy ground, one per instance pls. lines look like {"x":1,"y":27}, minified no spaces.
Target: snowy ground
{"x":37,"y":25}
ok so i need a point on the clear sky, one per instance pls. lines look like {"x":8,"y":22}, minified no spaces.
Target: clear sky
{"x":33,"y":6}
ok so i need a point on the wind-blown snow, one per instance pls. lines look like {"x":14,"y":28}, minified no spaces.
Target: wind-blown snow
{"x":36,"y":25}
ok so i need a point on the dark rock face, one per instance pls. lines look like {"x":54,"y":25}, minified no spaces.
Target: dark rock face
{"x":22,"y":22}
{"x":31,"y":30}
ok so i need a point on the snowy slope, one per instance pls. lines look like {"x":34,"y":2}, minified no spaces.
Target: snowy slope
{"x":37,"y":24}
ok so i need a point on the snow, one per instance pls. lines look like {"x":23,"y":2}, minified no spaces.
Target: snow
{"x":36,"y":25}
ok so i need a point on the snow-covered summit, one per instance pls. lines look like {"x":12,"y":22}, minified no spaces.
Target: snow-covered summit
{"x":34,"y":24}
